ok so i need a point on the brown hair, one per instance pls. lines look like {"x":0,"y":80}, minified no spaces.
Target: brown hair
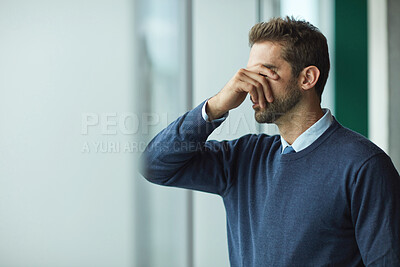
{"x":302,"y":43}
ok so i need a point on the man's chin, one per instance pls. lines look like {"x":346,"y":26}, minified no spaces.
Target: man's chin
{"x":264,"y":116}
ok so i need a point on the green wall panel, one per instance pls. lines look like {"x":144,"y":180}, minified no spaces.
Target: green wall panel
{"x":351,"y":64}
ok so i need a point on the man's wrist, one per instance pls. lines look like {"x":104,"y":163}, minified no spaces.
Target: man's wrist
{"x":212,"y":110}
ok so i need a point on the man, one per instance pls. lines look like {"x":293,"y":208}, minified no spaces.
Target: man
{"x":318,"y":194}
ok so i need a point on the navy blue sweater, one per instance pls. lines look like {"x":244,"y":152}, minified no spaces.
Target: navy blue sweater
{"x":335,"y":203}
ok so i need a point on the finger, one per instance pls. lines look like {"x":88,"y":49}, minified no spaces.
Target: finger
{"x":258,"y":82}
{"x":267,"y":92}
{"x":265,"y":71}
{"x":250,"y":89}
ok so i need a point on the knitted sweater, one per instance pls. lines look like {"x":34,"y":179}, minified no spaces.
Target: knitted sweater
{"x":335,"y":203}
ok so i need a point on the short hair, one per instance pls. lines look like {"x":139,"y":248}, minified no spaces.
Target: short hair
{"x":302,"y":43}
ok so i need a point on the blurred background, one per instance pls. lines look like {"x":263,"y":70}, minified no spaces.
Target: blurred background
{"x":85,"y":85}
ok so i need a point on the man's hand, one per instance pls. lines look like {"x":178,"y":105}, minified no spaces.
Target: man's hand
{"x":251,"y":81}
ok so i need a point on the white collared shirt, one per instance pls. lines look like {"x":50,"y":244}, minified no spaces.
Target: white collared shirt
{"x":311,"y":134}
{"x":205,"y":116}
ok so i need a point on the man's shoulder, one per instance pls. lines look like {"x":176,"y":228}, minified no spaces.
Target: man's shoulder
{"x":351,"y":144}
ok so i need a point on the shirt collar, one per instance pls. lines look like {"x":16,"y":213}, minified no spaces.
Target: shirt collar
{"x":312,"y":133}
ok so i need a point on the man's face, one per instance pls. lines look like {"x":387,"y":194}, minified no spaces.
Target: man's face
{"x":285,"y":90}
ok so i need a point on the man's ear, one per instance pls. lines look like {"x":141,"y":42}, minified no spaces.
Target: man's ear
{"x":309,"y":77}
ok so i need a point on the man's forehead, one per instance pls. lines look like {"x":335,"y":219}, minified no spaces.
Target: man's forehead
{"x":265,"y":53}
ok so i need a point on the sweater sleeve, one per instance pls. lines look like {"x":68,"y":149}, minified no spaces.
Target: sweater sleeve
{"x":375,"y":206}
{"x":180,"y":156}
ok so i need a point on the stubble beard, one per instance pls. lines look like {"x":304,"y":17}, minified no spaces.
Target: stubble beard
{"x":280,"y":106}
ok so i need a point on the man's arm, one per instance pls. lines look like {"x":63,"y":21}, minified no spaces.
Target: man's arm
{"x":180,"y":156}
{"x":375,"y":208}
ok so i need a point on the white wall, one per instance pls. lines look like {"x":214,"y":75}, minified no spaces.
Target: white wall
{"x":393,"y":22}
{"x":378,"y":83}
{"x":60,"y":206}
